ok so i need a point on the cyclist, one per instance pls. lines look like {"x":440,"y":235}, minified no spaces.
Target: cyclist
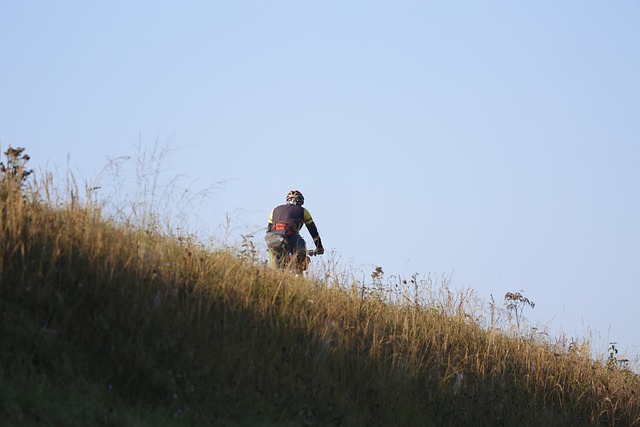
{"x":283,"y":233}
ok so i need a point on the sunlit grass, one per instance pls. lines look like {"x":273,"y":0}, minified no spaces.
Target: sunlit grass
{"x":126,"y":325}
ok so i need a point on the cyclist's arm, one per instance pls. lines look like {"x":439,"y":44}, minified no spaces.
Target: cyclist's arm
{"x":270,"y":223}
{"x":313,"y":230}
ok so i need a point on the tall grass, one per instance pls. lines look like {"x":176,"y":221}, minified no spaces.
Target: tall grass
{"x":106,"y":323}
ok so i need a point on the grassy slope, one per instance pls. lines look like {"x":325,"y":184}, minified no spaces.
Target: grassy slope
{"x":104,"y":325}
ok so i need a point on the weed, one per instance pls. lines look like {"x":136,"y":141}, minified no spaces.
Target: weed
{"x":248,"y":248}
{"x":13,"y":174}
{"x":515,"y":303}
{"x":613,"y":361}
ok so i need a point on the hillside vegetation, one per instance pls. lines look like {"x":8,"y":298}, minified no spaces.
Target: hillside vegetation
{"x":106,"y":324}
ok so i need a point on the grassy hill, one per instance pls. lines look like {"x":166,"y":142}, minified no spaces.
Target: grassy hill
{"x":104,"y":324}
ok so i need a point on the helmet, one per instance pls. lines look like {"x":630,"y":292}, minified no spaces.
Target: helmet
{"x":294,"y":197}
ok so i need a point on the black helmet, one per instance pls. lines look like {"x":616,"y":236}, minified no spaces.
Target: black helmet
{"x":294,"y":197}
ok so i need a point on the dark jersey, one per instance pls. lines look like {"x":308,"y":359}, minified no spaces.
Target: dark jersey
{"x":292,"y":218}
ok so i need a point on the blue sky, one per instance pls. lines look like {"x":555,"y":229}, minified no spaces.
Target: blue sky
{"x":495,"y":142}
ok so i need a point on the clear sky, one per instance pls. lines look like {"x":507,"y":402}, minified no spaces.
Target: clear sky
{"x":497,"y":142}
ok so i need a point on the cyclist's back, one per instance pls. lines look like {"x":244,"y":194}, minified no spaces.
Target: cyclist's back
{"x":289,"y":217}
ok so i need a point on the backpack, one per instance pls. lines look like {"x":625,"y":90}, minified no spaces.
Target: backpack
{"x":277,"y":241}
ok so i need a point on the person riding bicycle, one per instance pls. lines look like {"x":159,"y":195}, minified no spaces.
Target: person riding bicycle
{"x":283,"y":233}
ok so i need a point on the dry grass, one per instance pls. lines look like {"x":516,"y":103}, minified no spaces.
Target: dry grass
{"x":134,"y":326}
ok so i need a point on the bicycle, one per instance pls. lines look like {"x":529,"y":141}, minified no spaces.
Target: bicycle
{"x":287,"y":260}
